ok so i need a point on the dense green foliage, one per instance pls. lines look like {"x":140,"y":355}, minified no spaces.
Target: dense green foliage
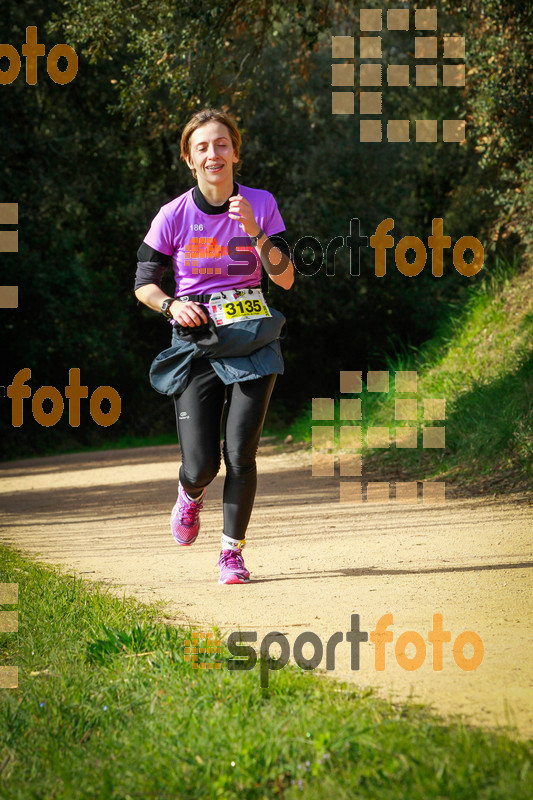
{"x":91,"y":162}
{"x":108,"y":707}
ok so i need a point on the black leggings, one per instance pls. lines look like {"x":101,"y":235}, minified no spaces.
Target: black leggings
{"x":199,"y":412}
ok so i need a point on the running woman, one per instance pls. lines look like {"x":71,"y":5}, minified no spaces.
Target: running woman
{"x":192,"y":234}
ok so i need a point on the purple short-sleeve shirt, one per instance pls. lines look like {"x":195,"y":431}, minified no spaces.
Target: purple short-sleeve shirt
{"x":198,"y":242}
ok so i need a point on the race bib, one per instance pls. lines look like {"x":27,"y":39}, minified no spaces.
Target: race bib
{"x":236,"y":305}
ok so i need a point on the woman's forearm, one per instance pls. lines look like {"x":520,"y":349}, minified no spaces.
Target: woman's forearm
{"x":279,"y":267}
{"x":151,"y":295}
{"x":186,"y":313}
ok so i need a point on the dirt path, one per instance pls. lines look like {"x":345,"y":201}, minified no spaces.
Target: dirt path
{"x":314,"y":563}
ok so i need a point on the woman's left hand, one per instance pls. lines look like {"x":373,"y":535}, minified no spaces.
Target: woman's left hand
{"x":240,"y":208}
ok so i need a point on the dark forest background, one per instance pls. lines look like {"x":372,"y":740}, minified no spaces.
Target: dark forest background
{"x":91,"y":162}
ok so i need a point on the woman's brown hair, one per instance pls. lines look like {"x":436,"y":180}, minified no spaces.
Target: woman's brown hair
{"x":199,"y":119}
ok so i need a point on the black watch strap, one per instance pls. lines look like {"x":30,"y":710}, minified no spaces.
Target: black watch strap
{"x":255,"y":239}
{"x":165,"y":307}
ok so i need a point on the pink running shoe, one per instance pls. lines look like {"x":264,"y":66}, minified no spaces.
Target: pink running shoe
{"x":184,"y":519}
{"x":232,"y":569}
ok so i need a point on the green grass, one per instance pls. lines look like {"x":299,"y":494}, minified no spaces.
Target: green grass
{"x":107,"y":707}
{"x":481,"y":362}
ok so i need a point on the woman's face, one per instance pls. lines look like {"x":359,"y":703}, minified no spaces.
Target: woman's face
{"x":211,"y":153}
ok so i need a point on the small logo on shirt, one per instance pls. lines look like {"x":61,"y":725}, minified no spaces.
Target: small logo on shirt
{"x":184,"y":415}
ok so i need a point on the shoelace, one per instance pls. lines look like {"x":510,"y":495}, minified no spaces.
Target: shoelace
{"x":232,"y":559}
{"x":190,"y":511}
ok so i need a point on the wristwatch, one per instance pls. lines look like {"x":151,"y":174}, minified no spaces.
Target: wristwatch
{"x":165,"y":307}
{"x":255,"y":239}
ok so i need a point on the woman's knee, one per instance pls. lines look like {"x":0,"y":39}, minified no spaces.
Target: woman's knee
{"x":240,"y":460}
{"x":201,"y":474}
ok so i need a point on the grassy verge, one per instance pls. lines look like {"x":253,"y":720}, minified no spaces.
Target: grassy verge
{"x":481,"y":363}
{"x":117,"y":712}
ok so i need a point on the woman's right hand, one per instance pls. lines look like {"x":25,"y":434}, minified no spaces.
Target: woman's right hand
{"x":188,"y":313}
